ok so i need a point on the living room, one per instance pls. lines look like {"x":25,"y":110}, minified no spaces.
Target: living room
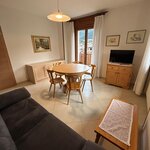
{"x":21,"y":20}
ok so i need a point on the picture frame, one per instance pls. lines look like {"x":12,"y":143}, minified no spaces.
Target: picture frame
{"x":112,"y":40}
{"x":136,"y":36}
{"x":41,"y":43}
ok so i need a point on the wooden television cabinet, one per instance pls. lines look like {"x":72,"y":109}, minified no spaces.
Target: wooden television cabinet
{"x":119,"y":74}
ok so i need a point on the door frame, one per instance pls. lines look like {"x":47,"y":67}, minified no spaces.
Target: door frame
{"x":4,"y":47}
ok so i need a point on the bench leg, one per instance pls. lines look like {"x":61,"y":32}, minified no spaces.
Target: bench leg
{"x":97,"y":137}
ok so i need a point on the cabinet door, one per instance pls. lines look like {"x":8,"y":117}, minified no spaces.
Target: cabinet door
{"x":111,"y":77}
{"x":123,"y":80}
{"x":124,"y":76}
{"x":39,"y":73}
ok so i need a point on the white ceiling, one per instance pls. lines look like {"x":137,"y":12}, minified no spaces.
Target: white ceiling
{"x":73,"y":8}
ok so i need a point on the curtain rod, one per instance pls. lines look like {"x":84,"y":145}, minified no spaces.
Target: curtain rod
{"x":93,"y":15}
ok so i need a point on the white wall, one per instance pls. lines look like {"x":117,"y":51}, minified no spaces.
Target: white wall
{"x":121,"y":20}
{"x":17,"y":27}
{"x":148,"y":96}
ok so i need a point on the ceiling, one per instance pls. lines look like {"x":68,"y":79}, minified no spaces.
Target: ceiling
{"x":73,"y":8}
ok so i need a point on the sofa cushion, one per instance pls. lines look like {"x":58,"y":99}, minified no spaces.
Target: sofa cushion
{"x":22,"y":116}
{"x":91,"y":146}
{"x":6,"y":142}
{"x":50,"y":133}
{"x":12,"y":97}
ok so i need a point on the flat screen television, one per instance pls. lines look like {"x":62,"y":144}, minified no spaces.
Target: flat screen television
{"x":121,"y":56}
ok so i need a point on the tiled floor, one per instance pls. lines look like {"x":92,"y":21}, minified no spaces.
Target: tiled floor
{"x":83,"y":118}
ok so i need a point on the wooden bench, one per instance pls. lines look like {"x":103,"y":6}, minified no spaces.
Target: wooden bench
{"x":118,"y":143}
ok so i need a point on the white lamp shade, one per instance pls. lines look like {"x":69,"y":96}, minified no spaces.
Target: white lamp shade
{"x":58,"y":17}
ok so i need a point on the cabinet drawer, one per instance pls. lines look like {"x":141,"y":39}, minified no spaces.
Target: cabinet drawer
{"x":112,"y":68}
{"x":125,"y":70}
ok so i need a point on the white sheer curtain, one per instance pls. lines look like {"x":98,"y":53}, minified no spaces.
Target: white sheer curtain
{"x":69,"y":43}
{"x":98,"y":44}
{"x":143,"y":71}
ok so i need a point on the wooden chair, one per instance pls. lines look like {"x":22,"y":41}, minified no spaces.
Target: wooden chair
{"x":57,"y":64}
{"x":74,"y":83}
{"x":54,"y":80}
{"x":89,"y":75}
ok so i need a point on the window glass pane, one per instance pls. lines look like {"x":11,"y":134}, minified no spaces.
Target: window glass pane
{"x":89,"y":45}
{"x":81,"y":45}
{"x":90,"y":39}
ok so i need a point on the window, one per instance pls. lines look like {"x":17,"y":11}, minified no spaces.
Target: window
{"x":84,"y":39}
{"x":85,"y":45}
{"x":81,"y":45}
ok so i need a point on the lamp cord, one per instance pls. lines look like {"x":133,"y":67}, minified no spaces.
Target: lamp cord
{"x":58,"y":5}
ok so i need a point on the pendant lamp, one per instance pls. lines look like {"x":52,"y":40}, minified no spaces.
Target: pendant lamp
{"x":58,"y":16}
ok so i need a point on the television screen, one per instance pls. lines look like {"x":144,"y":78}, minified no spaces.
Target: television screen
{"x":121,"y":56}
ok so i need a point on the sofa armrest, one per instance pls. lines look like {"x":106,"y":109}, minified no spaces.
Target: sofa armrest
{"x":12,"y":97}
{"x":92,"y":146}
{"x":6,"y":141}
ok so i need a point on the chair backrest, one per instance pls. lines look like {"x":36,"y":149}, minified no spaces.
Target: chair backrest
{"x":93,"y":68}
{"x":50,"y":74}
{"x":74,"y":81}
{"x":57,"y":63}
{"x":47,"y":67}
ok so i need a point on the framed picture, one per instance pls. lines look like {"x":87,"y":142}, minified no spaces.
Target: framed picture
{"x":41,"y":43}
{"x":135,"y":36}
{"x":112,"y":40}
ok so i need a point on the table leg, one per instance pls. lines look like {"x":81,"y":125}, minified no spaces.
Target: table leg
{"x":97,"y":137}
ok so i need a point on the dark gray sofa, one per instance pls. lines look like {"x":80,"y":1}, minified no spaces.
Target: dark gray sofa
{"x":25,"y":125}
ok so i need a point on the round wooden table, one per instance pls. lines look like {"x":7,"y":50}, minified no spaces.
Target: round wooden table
{"x":71,"y":68}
